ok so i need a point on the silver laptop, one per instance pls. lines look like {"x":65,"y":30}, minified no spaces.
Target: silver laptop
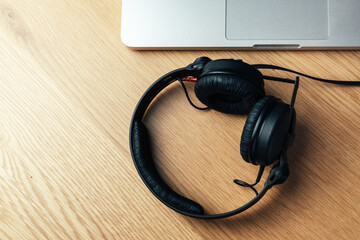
{"x":241,"y":24}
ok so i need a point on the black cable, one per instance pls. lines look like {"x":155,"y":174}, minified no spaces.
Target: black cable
{"x":188,"y":97}
{"x":258,"y":178}
{"x":277,"y":79}
{"x":294,"y":94}
{"x":346,"y":83}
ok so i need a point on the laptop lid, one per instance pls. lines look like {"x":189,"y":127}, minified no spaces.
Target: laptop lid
{"x":242,"y":24}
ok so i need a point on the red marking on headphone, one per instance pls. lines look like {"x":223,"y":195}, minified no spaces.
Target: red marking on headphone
{"x":189,"y":79}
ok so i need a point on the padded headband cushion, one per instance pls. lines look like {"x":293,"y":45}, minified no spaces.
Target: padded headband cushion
{"x":146,"y":168}
{"x":228,"y":93}
{"x":245,"y":144}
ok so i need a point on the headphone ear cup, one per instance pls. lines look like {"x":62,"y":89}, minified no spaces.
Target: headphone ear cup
{"x":246,"y":137}
{"x":228,"y":93}
{"x":266,"y":131}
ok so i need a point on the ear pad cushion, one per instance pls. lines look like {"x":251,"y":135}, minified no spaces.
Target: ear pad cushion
{"x":146,"y":168}
{"x":250,"y":126}
{"x":228,"y":93}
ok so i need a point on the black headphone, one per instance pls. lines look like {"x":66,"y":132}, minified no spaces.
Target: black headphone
{"x":234,"y":87}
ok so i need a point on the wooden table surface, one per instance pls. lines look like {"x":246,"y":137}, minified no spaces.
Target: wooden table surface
{"x":68,"y":89}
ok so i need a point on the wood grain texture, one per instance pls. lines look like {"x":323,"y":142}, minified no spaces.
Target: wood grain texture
{"x":68,"y":89}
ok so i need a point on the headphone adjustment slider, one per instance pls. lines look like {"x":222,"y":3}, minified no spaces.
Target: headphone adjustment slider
{"x":199,"y":64}
{"x":289,"y":140}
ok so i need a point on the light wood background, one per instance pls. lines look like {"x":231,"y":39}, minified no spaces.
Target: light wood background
{"x":68,"y":89}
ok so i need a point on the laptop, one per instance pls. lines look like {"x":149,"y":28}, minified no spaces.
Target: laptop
{"x":241,"y":24}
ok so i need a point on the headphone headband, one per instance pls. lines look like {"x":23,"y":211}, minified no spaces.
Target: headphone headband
{"x":156,"y":88}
